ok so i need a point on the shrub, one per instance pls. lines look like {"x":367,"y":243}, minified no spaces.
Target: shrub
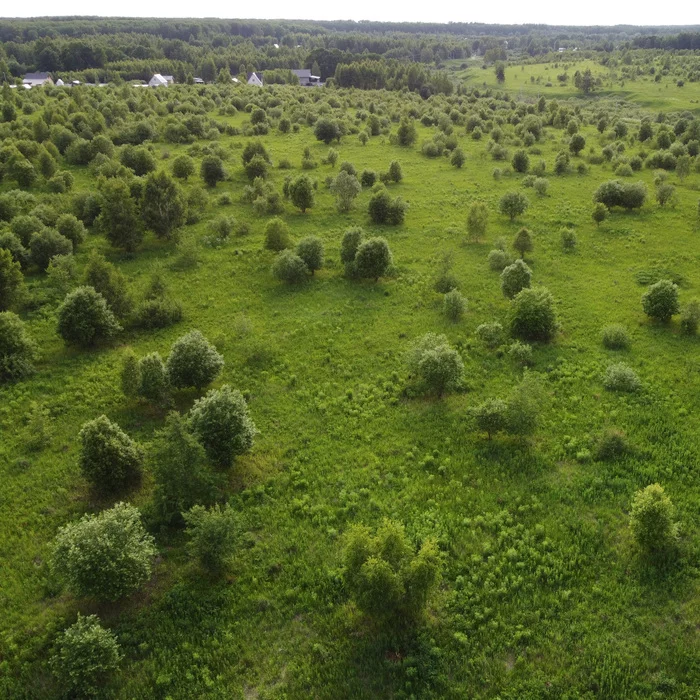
{"x":327,"y":130}
{"x":183,"y":167}
{"x":130,"y":375}
{"x":368,"y":178}
{"x":276,"y":235}
{"x":522,"y":242}
{"x":385,"y":210}
{"x":521,"y":354}
{"x":11,"y":242}
{"x":477,"y":220}
{"x":85,"y":655}
{"x":514,"y":278}
{"x":614,"y":193}
{"x":610,"y":445}
{"x":212,"y":170}
{"x":520,"y":162}
{"x":455,"y":305}
{"x":690,"y":317}
{"x":651,"y":523}
{"x":660,"y":301}
{"x":490,"y":416}
{"x":84,"y":318}
{"x":620,"y":377}
{"x":310,"y":250}
{"x":11,"y":280}
{"x":498,"y":259}
{"x":513,"y":204}
{"x":105,"y":556}
{"x":532,"y":315}
{"x":568,"y":240}
{"x":211,"y":535}
{"x":72,"y":228}
{"x":665,"y":193}
{"x":615,"y":337}
{"x":433,"y":361}
{"x":541,"y":185}
{"x":193,"y":362}
{"x":154,"y":378}
{"x":346,"y":188}
{"x":458,"y":159}
{"x":490,"y":334}
{"x":348,"y":248}
{"x":157,"y":313}
{"x":47,"y":243}
{"x":372,"y":259}
{"x":301,"y":192}
{"x":387,"y":578}
{"x":221,"y":422}
{"x":290,"y":268}
{"x":110,"y":283}
{"x":600,"y":213}
{"x":17,"y":350}
{"x":109,"y":458}
{"x":394,"y":173}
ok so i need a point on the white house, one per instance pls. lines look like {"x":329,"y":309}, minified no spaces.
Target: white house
{"x":306,"y":79}
{"x":37,"y":79}
{"x":159,"y":80}
{"x":255,"y":79}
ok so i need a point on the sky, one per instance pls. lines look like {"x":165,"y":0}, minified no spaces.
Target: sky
{"x":501,"y":12}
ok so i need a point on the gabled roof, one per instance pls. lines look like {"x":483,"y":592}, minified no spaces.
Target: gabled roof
{"x":302,"y":72}
{"x":259,"y":76}
{"x":37,"y":76}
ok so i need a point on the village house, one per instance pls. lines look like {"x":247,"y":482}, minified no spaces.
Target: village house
{"x":255,"y":79}
{"x":37,"y":79}
{"x":159,"y":80}
{"x":306,"y":79}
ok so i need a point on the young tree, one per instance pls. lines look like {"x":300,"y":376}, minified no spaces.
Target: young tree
{"x":310,"y":250}
{"x":458,"y":159}
{"x":532,"y":315}
{"x":84,"y":318}
{"x":46,"y":244}
{"x":17,"y":350}
{"x":11,"y":280}
{"x":406,"y":133}
{"x":652,"y":524}
{"x":348,"y":248}
{"x":600,"y":213}
{"x":70,"y":227}
{"x":372,"y":258}
{"x":85,"y":655}
{"x":301,"y":192}
{"x":500,"y":71}
{"x":520,"y":162}
{"x":193,"y":362}
{"x":154,"y":384}
{"x":477,"y":221}
{"x":163,"y":205}
{"x":438,"y":365}
{"x":105,"y":556}
{"x":523,"y":242}
{"x":212,"y":170}
{"x":109,"y":458}
{"x":183,"y":167}
{"x":490,"y":416}
{"x":345,"y":187}
{"x":212,"y":535}
{"x":221,"y":422}
{"x":515,"y":278}
{"x":130,"y":374}
{"x":395,"y":173}
{"x":660,"y":301}
{"x":108,"y":281}
{"x":513,"y":204}
{"x":290,"y":268}
{"x":277,"y":235}
{"x":327,"y":130}
{"x":576,"y":144}
{"x":119,"y":217}
{"x":455,"y":305}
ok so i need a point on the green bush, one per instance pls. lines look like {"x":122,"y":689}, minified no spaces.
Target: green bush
{"x":47,"y":243}
{"x":690,"y":317}
{"x":109,"y":458}
{"x":290,"y":268}
{"x":615,"y":193}
{"x":455,"y":305}
{"x":660,"y":301}
{"x":615,"y":337}
{"x":130,"y":374}
{"x":438,"y":366}
{"x":513,"y":204}
{"x":522,"y":242}
{"x":110,"y":283}
{"x":611,"y":444}
{"x":70,"y":227}
{"x":521,"y":353}
{"x":106,"y":556}
{"x":157,"y":313}
{"x":85,"y":655}
{"x":490,"y":334}
{"x":212,"y":534}
{"x":620,"y":377}
{"x":11,"y":280}
{"x":277,"y":235}
{"x":348,"y":248}
{"x":651,"y":523}
{"x":154,"y":384}
{"x":568,"y":240}
{"x":532,"y":315}
{"x":193,"y":362}
{"x":372,"y":259}
{"x":490,"y":417}
{"x":84,"y":318}
{"x":515,"y":278}
{"x":17,"y":350}
{"x":310,"y":250}
{"x":222,"y":424}
{"x":498,"y":260}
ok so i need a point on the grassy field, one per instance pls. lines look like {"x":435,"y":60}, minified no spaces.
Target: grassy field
{"x":542,"y":595}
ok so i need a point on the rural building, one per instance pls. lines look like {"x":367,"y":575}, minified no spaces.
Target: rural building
{"x":255,"y":79}
{"x":306,"y":79}
{"x":37,"y":79}
{"x":159,"y":80}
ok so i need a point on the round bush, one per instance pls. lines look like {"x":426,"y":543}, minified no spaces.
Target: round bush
{"x":515,"y":278}
{"x":193,"y":362}
{"x":620,"y":377}
{"x":455,"y":305}
{"x":615,"y":337}
{"x":290,"y":268}
{"x":84,"y":318}
{"x":373,"y":258}
{"x":651,"y":522}
{"x":438,"y":365}
{"x":310,"y":250}
{"x":109,"y":458}
{"x":498,"y":259}
{"x":154,"y":385}
{"x":532,"y":315}
{"x":660,"y":301}
{"x":490,"y":334}
{"x":105,"y":556}
{"x":47,"y":243}
{"x":276,"y":235}
{"x":17,"y":350}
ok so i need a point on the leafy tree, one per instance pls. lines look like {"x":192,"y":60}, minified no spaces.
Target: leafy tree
{"x":600,"y":213}
{"x":11,"y":280}
{"x":477,"y":220}
{"x":660,"y":301}
{"x":406,"y":133}
{"x":119,"y":217}
{"x":455,"y":305}
{"x":615,"y":193}
{"x":257,"y":166}
{"x":45,"y":245}
{"x":690,"y":317}
{"x":290,"y":268}
{"x":301,"y":192}
{"x":523,"y":242}
{"x":665,"y":193}
{"x":212,"y":170}
{"x":276,"y":235}
{"x":348,"y":248}
{"x":108,"y":281}
{"x":385,"y":210}
{"x":387,"y":578}
{"x":513,"y":204}
{"x":85,"y":655}
{"x":458,"y":159}
{"x":70,"y":227}
{"x":105,"y":556}
{"x":500,"y":71}
{"x":163,"y":205}
{"x":585,"y":82}
{"x":84,"y":318}
{"x":327,"y":130}
{"x":130,"y":374}
{"x":652,"y":524}
{"x":490,"y":416}
{"x":532,"y":315}
{"x":310,"y":250}
{"x":372,"y":259}
{"x":515,"y":278}
{"x":345,"y":188}
{"x":212,"y":534}
{"x":17,"y":350}
{"x":179,"y":468}
{"x":577,"y":143}
{"x":395,"y":173}
{"x":221,"y":422}
{"x":183,"y":167}
{"x":109,"y":458}
{"x":438,"y":365}
{"x":520,"y":162}
{"x":154,"y":384}
{"x":193,"y":362}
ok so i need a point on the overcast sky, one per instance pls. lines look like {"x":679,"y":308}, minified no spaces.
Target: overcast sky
{"x":502,"y":12}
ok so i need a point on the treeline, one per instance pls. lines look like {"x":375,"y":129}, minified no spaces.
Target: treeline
{"x":685,"y":41}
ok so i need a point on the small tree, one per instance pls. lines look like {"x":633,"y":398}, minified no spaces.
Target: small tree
{"x":110,"y":283}
{"x":458,"y":159}
{"x":212,"y":536}
{"x":477,"y":220}
{"x":276,"y":234}
{"x":455,"y":305}
{"x":523,"y":242}
{"x":513,"y":204}
{"x":84,"y":318}
{"x":651,"y":523}
{"x":387,"y":578}
{"x":109,"y":458}
{"x":532,"y":315}
{"x":690,"y":318}
{"x":290,"y":268}
{"x":490,"y":417}
{"x":212,"y":170}
{"x":665,"y":193}
{"x":45,"y":245}
{"x":327,"y":130}
{"x":70,"y":227}
{"x":372,"y":259}
{"x":130,"y":374}
{"x":163,"y":205}
{"x":301,"y":192}
{"x":17,"y":350}
{"x":119,"y":217}
{"x":577,"y":143}
{"x":395,"y":173}
{"x":310,"y":250}
{"x":11,"y":280}
{"x":660,"y":301}
{"x":193,"y":362}
{"x":154,"y":379}
{"x":600,"y":213}
{"x":85,"y":655}
{"x":520,"y":162}
{"x":345,"y":187}
{"x":406,"y":133}
{"x":221,"y":422}
{"x":438,"y":365}
{"x":515,"y":278}
{"x":105,"y":556}
{"x":348,"y":248}
{"x":183,"y":167}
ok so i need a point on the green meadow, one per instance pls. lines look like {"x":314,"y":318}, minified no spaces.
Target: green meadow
{"x":542,"y":592}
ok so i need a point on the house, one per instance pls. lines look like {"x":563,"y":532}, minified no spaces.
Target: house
{"x":59,"y":83}
{"x":159,"y":80}
{"x":306,"y":79}
{"x":37,"y":79}
{"x":198,"y":81}
{"x":255,"y":79}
